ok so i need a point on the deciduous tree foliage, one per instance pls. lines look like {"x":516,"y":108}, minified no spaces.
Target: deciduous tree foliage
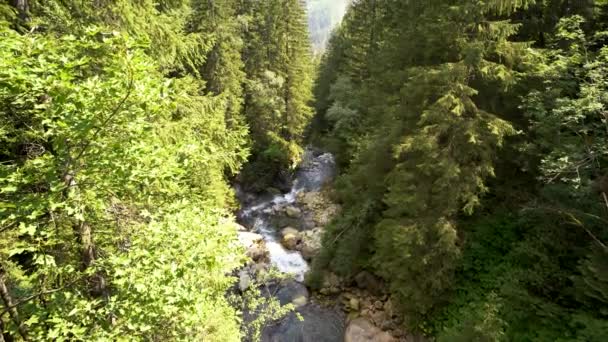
{"x":120,"y":123}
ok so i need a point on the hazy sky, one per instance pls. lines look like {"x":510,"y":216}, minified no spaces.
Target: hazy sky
{"x":324,"y":15}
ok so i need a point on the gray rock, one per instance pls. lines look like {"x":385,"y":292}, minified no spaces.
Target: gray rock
{"x":370,"y":282}
{"x":248,"y":239}
{"x":290,"y":238}
{"x":318,"y":325}
{"x":331,"y":280}
{"x":292,"y":292}
{"x":354,"y":304}
{"x":299,"y":301}
{"x":311,"y":243}
{"x":255,"y":246}
{"x":362,"y":330}
{"x":293,"y":212}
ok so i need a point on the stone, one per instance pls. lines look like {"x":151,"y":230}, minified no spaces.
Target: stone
{"x":370,"y":282}
{"x":293,"y":212}
{"x":331,"y":280}
{"x":334,"y":290}
{"x":240,"y":228}
{"x":258,"y":252}
{"x":309,"y":199}
{"x":387,"y":325}
{"x":309,"y":252}
{"x":248,"y":239}
{"x":292,"y":292}
{"x":354,"y":304}
{"x":352,"y":316}
{"x":398,"y":333}
{"x":301,"y":196}
{"x":290,"y":238}
{"x":318,"y":325}
{"x":244,"y":280}
{"x":378,"y":305}
{"x":388,"y":307}
{"x":311,"y":243}
{"x":299,"y":301}
{"x":362,"y":330}
{"x":289,"y":230}
{"x":379,"y":317}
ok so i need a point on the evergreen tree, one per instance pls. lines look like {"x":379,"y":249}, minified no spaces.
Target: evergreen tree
{"x":278,"y":63}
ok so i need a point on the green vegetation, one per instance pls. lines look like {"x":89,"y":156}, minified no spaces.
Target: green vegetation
{"x":472,"y":137}
{"x":120,"y":123}
{"x":278,"y":63}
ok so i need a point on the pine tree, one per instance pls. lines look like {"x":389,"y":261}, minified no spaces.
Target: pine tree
{"x":440,"y":140}
{"x":278,"y":62}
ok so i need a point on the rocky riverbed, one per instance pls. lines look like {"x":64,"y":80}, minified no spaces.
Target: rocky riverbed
{"x":284,"y":231}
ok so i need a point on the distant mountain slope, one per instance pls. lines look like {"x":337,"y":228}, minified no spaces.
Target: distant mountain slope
{"x":323,"y":16}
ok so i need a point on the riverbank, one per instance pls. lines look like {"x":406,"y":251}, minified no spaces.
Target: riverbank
{"x":283,"y":231}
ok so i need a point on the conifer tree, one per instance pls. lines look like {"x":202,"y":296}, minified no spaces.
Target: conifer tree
{"x":278,"y":62}
{"x":440,"y":139}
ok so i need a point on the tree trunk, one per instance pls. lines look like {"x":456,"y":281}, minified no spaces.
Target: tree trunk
{"x":12,"y":309}
{"x":89,"y":255}
{"x":22,"y":7}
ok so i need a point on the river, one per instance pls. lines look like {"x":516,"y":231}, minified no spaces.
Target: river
{"x":266,"y":215}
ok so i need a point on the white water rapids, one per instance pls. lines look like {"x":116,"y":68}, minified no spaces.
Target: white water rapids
{"x":312,"y":174}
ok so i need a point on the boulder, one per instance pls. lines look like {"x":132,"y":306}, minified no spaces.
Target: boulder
{"x":324,"y":215}
{"x":362,"y":330}
{"x":308,"y":252}
{"x":322,"y":207}
{"x":292,"y":292}
{"x":378,"y":305}
{"x":299,"y":301}
{"x":255,"y":246}
{"x":258,"y":252}
{"x":319,"y":325}
{"x":309,"y":199}
{"x":311,"y":243}
{"x":293,"y":212}
{"x":289,"y":230}
{"x":290,"y":238}
{"x":248,"y":239}
{"x":379,"y":318}
{"x":354,"y":304}
{"x":388,"y":307}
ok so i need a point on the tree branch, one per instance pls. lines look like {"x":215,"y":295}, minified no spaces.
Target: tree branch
{"x":105,"y":122}
{"x":37,"y":295}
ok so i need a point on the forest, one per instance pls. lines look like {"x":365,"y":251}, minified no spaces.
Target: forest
{"x":470,"y":140}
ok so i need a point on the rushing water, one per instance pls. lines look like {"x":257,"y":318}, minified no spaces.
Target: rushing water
{"x":315,"y":170}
